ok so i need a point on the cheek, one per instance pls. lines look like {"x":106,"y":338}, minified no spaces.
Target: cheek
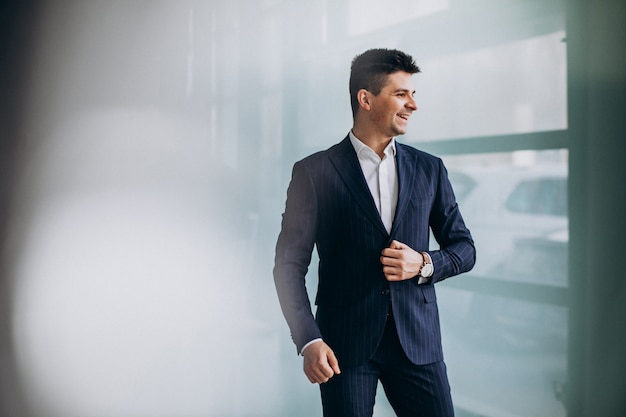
{"x":379,"y":116}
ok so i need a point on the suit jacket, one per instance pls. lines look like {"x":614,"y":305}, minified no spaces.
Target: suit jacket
{"x":329,"y":206}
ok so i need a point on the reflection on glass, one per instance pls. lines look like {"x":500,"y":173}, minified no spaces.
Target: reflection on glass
{"x":514,"y":87}
{"x":517,"y":213}
{"x":505,"y":357}
{"x":369,"y":15}
{"x":505,"y":340}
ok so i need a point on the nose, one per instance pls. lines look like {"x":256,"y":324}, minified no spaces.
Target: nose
{"x":411,"y":104}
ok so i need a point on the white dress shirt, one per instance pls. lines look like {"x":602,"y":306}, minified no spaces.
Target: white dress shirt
{"x":381,"y":176}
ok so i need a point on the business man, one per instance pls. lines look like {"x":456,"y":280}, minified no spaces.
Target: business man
{"x":367,"y":204}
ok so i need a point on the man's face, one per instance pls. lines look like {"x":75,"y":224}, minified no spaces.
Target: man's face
{"x":391,"y":108}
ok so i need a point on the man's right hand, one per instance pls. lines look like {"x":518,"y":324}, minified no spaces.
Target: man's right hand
{"x":320,"y":363}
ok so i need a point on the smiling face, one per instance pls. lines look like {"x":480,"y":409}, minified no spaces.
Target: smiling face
{"x":389,"y":111}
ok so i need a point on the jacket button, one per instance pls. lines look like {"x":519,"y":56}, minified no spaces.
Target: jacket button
{"x":385,"y":291}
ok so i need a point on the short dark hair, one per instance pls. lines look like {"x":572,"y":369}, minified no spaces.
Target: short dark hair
{"x":370,"y":70}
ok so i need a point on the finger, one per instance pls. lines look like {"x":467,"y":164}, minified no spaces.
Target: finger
{"x":323,"y":376}
{"x":320,"y":370}
{"x":391,"y":249}
{"x":316,"y":376}
{"x":333,"y":362}
{"x":393,"y":278}
{"x":320,"y":379}
{"x":388,"y":261}
{"x":393,"y":273}
{"x":310,"y":375}
{"x":390,"y":270}
{"x":390,"y":276}
{"x":327,"y":370}
{"x":396,"y":245}
{"x":393,"y":253}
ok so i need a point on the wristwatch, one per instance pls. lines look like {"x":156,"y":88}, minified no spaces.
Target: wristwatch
{"x":427,"y":267}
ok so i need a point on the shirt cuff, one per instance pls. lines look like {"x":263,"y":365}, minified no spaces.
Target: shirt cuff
{"x":309,"y":344}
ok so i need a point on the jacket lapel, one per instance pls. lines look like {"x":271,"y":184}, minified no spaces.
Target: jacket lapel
{"x":346,"y":163}
{"x":406,"y":180}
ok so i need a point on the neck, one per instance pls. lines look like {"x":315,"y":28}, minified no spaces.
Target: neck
{"x":378,"y":143}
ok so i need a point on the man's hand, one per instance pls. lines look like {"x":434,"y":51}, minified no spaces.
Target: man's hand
{"x":320,"y":363}
{"x":400,"y":262}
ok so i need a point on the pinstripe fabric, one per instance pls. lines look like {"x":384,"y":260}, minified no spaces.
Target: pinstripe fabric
{"x":413,"y":390}
{"x":330,"y":207}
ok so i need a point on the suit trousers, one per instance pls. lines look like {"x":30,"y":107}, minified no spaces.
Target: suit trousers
{"x":412,"y":390}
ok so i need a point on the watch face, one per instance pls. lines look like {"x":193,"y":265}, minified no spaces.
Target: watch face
{"x":427,"y":270}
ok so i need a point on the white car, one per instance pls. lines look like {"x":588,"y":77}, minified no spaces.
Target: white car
{"x":518,"y":218}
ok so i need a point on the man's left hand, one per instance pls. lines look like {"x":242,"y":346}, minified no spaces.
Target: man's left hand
{"x":400,"y":262}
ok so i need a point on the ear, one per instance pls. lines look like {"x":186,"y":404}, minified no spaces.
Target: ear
{"x":363,"y":97}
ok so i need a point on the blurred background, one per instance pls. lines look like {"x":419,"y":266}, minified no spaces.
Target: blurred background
{"x":146,"y":150}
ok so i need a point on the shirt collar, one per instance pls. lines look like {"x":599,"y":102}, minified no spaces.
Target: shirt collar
{"x":360,"y":146}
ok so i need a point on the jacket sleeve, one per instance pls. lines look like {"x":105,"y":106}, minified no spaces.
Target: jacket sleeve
{"x":293,"y":255}
{"x":457,"y":253}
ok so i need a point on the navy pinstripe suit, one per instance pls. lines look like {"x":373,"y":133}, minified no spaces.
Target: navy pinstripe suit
{"x":329,"y":206}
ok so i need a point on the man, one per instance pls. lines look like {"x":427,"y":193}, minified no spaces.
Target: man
{"x":367,"y":204}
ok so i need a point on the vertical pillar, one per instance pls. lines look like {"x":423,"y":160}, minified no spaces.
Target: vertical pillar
{"x":596,"y":37}
{"x":18,"y":24}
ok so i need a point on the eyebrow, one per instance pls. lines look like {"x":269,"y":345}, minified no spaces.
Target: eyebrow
{"x":403,"y":90}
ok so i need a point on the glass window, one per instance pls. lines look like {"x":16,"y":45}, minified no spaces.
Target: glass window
{"x":369,"y":15}
{"x":511,"y":208}
{"x":513,"y":87}
{"x":539,"y":196}
{"x":505,"y":323}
